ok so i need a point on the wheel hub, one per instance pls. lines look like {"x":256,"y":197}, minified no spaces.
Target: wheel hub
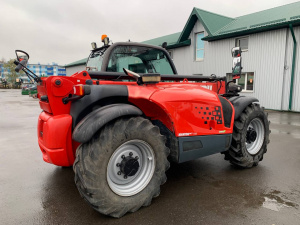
{"x":129,"y":166}
{"x":251,"y":135}
{"x":255,"y":136}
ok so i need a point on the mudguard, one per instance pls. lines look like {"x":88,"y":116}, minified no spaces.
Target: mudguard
{"x":90,"y":124}
{"x":80,"y":108}
{"x":240,"y":103}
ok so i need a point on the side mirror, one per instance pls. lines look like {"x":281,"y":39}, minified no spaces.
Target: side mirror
{"x":237,"y":62}
{"x":22,"y":58}
{"x":21,"y":55}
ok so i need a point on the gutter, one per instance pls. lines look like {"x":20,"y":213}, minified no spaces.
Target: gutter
{"x":293,"y":67}
{"x":180,"y":44}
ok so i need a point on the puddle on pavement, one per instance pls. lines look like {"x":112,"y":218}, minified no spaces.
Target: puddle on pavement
{"x":275,"y":202}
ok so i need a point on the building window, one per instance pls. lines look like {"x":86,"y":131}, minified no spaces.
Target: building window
{"x":170,"y":53}
{"x":242,"y":42}
{"x":199,"y":46}
{"x":246,"y":81}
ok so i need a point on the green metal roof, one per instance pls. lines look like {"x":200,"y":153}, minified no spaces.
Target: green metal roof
{"x":77,"y":63}
{"x":170,"y":39}
{"x":220,"y":27}
{"x":212,"y":22}
{"x":274,"y":18}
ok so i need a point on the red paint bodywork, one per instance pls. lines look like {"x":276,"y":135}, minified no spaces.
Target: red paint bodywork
{"x":185,"y":108}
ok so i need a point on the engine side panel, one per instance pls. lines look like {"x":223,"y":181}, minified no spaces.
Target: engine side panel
{"x":187,"y":110}
{"x":194,"y":110}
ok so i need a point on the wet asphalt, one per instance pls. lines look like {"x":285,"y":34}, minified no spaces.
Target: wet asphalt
{"x":204,"y":191}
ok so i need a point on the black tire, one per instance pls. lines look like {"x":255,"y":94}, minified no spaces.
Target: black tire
{"x":246,"y":151}
{"x":92,"y":164}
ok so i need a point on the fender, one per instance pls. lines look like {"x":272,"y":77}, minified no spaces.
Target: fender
{"x":81,"y":108}
{"x":240,"y":103}
{"x":90,"y":124}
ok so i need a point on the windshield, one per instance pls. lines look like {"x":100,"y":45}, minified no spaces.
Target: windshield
{"x":139,"y":59}
{"x":94,"y":62}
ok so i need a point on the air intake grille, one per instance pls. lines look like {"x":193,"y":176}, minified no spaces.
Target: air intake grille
{"x":227,"y":111}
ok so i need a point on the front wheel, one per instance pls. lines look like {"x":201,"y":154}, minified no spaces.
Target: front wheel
{"x":122,"y":167}
{"x":250,"y":137}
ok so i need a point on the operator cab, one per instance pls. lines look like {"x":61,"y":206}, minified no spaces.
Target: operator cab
{"x":139,"y":59}
{"x":136,"y":57}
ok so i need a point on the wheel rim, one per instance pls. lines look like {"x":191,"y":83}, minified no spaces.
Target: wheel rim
{"x":130,"y":168}
{"x":255,"y":136}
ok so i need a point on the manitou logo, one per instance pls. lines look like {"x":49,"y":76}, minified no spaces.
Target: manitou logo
{"x":209,"y":87}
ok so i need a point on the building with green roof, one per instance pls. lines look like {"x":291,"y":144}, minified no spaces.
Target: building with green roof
{"x":269,"y":40}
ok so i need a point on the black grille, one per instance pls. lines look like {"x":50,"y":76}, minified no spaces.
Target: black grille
{"x":227,"y":111}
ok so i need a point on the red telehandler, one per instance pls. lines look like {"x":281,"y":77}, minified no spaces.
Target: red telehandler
{"x":121,"y":121}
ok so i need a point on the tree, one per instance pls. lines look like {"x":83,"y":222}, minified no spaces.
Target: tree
{"x":2,"y":61}
{"x":12,"y":75}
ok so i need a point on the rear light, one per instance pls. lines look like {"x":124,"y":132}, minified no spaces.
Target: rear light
{"x":81,"y":90}
{"x":78,"y":92}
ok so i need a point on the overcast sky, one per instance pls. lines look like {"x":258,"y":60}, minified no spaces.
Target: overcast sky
{"x":61,"y":30}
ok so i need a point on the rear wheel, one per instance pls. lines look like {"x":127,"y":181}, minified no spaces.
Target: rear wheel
{"x":122,"y":167}
{"x":250,"y":137}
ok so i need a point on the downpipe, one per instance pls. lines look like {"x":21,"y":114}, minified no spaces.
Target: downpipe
{"x":293,"y":67}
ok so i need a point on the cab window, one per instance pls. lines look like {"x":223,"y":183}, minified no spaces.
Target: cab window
{"x":139,"y":59}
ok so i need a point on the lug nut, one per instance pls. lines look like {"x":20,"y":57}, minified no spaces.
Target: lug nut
{"x":123,"y":156}
{"x":130,"y":153}
{"x":119,"y":173}
{"x":118,"y":165}
{"x":125,"y":177}
{"x":136,"y":157}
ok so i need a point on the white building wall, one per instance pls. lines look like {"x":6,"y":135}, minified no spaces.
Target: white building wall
{"x":288,"y":71}
{"x":265,"y":57}
{"x":296,"y":96}
{"x":74,"y":69}
{"x":217,"y":56}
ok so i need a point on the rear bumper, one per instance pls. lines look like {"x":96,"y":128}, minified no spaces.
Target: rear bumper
{"x":54,"y":138}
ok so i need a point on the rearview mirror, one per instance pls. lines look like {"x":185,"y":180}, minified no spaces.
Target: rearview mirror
{"x":22,"y":60}
{"x":21,"y":55}
{"x":237,"y":62}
